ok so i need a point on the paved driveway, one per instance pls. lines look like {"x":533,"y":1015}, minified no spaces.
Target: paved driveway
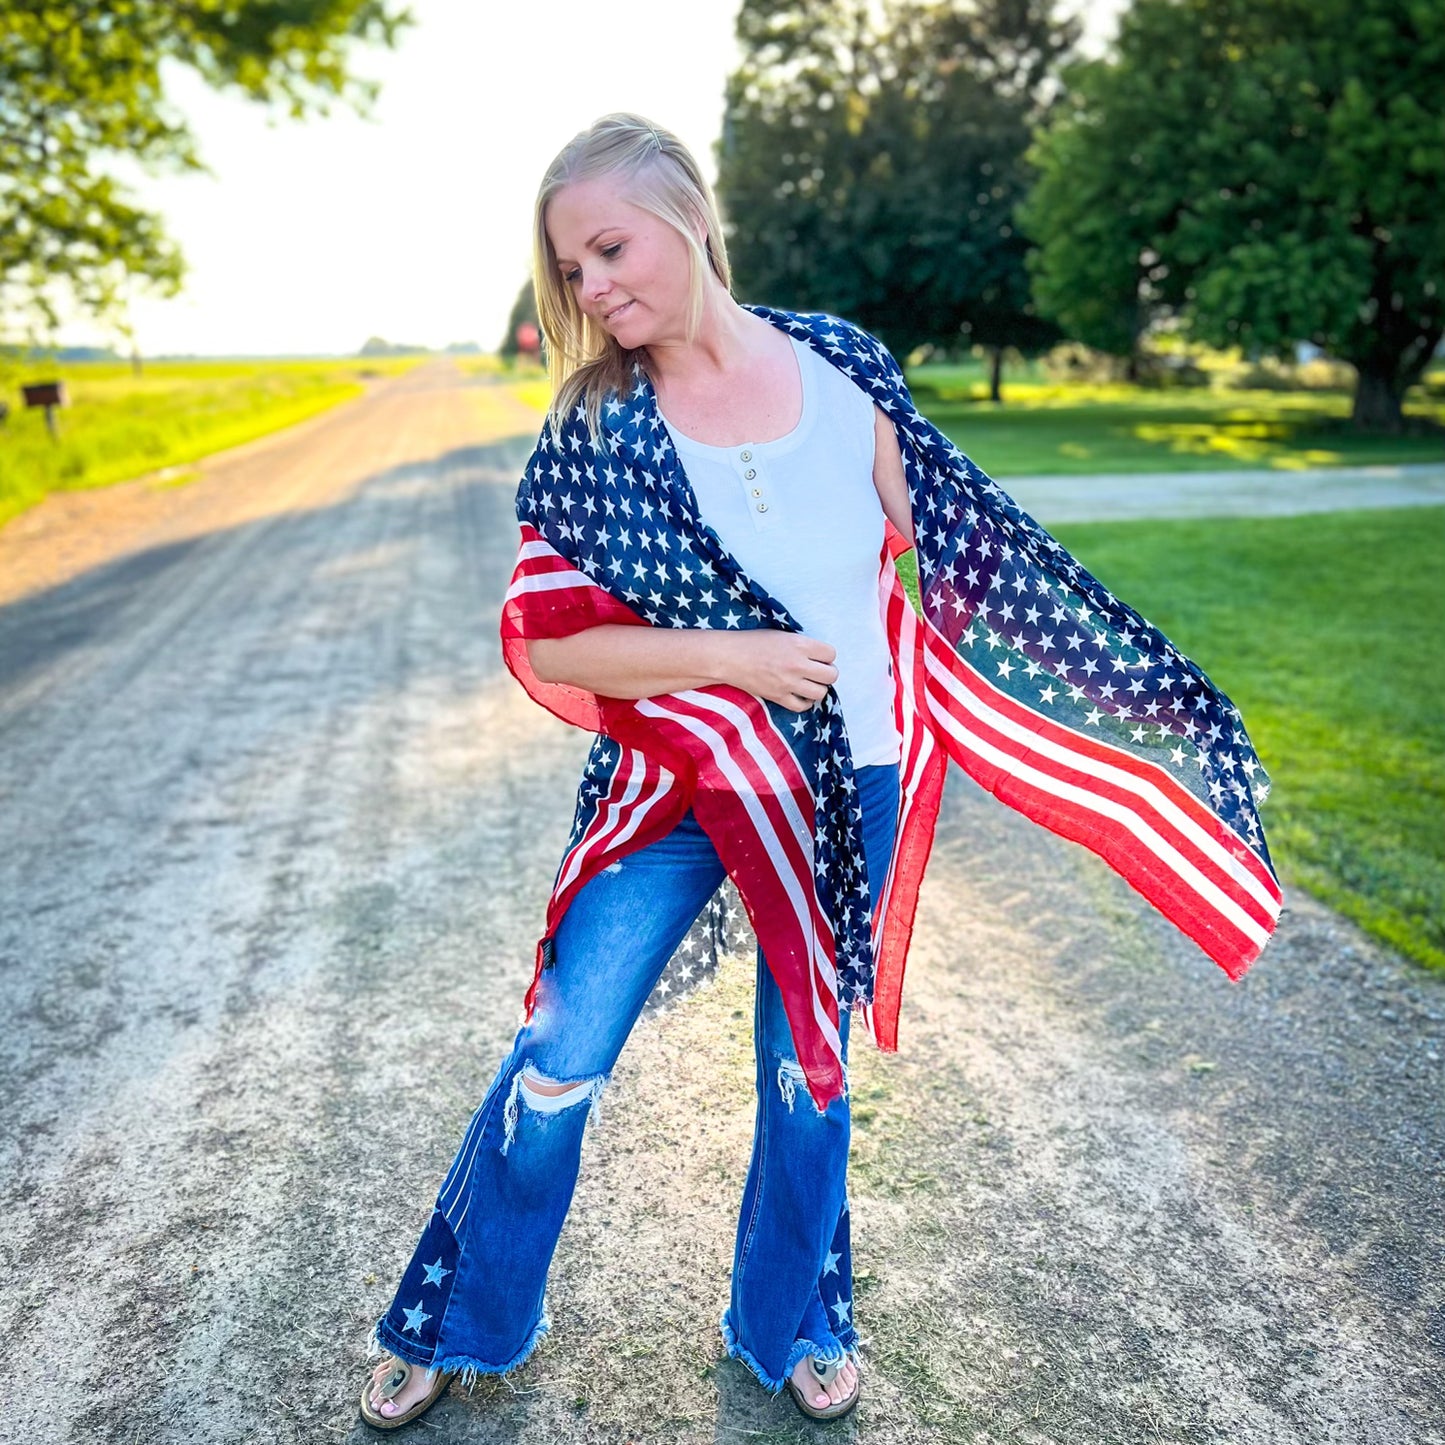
{"x":1226,"y":494}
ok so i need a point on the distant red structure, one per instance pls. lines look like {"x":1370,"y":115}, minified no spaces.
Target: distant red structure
{"x":529,"y":341}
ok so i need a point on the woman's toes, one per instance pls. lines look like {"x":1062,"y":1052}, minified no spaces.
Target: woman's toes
{"x":835,"y":1391}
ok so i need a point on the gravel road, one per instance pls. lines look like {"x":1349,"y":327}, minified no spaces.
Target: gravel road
{"x":278,"y":831}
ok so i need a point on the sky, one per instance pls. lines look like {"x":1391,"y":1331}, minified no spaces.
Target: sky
{"x":415,"y":225}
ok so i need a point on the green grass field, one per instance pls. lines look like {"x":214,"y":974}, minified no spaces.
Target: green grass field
{"x":119,"y":425}
{"x":1043,"y":428}
{"x":1325,"y":631}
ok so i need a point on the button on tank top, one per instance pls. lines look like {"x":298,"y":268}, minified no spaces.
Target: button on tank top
{"x":802,"y":517}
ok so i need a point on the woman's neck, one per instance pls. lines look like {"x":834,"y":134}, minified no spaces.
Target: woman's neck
{"x":728,"y":341}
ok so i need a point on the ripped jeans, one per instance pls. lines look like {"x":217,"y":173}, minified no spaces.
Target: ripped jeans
{"x":472,"y":1299}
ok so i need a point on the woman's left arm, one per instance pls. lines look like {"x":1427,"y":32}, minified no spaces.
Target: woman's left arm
{"x":888,"y":475}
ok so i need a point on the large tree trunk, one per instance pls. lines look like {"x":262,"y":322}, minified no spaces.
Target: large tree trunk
{"x":995,"y":373}
{"x":1396,"y":348}
{"x":1377,"y":404}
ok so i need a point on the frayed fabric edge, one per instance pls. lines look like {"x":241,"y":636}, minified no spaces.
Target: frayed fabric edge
{"x":775,"y":1384}
{"x":791,"y":1074}
{"x":376,"y":1345}
{"x":513,"y":1106}
{"x":468,"y":1369}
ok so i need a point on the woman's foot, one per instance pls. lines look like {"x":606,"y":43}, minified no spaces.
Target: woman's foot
{"x":839,"y":1388}
{"x":415,"y":1388}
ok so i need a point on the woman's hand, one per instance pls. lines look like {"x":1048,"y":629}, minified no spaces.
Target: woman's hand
{"x":788,"y":668}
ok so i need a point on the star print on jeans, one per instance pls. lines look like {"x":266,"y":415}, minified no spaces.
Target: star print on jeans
{"x":435,"y":1273}
{"x":830,"y":1265}
{"x":841,"y":1308}
{"x":416,"y":1318}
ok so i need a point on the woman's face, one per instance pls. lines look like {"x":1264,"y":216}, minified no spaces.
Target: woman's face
{"x":627,"y":269}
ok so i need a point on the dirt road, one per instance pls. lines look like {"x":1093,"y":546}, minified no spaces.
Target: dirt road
{"x":278,"y":830}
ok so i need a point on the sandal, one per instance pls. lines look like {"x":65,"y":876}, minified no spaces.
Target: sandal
{"x":391,"y":1387}
{"x":825,"y":1372}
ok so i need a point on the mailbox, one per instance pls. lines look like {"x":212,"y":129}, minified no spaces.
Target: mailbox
{"x":44,"y":393}
{"x":49,"y":394}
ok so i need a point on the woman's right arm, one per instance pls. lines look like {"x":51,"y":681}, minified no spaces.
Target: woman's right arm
{"x":619,"y":660}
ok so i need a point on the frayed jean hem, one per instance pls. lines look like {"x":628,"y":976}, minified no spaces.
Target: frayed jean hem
{"x":467,"y":1367}
{"x":775,"y":1384}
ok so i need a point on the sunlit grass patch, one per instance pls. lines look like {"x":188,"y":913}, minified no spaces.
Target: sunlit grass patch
{"x":1256,"y":442}
{"x":1077,"y":429}
{"x":536,"y":394}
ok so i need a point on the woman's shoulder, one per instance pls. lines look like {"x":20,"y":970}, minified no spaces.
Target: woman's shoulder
{"x":851,"y":347}
{"x":809,"y":324}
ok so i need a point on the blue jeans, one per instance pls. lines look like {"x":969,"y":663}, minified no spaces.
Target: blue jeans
{"x":472,"y":1299}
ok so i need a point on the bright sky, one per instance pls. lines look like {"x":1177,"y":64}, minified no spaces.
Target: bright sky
{"x":415,"y":225}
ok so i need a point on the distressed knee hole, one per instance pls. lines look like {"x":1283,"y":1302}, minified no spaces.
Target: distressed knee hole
{"x":791,"y":1076}
{"x":557,"y":1096}
{"x":547,"y":1096}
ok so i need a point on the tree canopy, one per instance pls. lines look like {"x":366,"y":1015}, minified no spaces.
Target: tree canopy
{"x":872,"y":157}
{"x":1269,"y":174}
{"x":81,"y":83}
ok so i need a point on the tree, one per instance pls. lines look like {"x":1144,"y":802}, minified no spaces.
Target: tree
{"x":1269,"y":174}
{"x":524,"y":309}
{"x":872,"y":157}
{"x":80,"y":82}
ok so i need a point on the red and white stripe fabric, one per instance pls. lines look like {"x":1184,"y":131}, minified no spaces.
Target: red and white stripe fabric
{"x":717,"y":750}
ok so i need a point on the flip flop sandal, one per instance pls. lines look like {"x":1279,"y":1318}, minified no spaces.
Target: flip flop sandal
{"x":825,"y":1372}
{"x":391,"y":1387}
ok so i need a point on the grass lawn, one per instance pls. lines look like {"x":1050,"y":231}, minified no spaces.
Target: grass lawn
{"x":119,"y":425}
{"x":1043,"y":428}
{"x":1326,"y":632}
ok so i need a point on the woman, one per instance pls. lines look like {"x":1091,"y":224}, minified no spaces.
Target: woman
{"x":705,"y":582}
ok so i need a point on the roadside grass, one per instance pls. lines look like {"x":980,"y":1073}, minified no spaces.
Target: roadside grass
{"x":536,"y":393}
{"x":480,"y":363}
{"x":1082,"y":429}
{"x":487,"y":363}
{"x":1325,"y":631}
{"x":525,"y":380}
{"x":118,"y":425}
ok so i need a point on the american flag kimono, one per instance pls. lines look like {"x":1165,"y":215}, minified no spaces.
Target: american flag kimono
{"x":1054,"y":695}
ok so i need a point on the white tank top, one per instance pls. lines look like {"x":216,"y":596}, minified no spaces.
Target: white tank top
{"x":802,"y":517}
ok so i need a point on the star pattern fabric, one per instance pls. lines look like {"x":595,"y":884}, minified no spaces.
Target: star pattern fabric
{"x":1022,"y":668}
{"x":430,"y":1285}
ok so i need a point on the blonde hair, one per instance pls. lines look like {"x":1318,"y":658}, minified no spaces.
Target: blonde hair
{"x":658,"y":174}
